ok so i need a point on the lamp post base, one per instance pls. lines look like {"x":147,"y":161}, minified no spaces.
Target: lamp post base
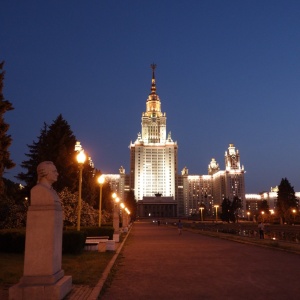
{"x":116,"y":237}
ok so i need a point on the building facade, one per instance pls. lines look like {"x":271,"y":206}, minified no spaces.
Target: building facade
{"x":210,"y":190}
{"x":153,"y":155}
{"x":153,"y":175}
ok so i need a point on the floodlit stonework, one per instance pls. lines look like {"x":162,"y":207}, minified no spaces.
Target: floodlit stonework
{"x":154,"y":170}
{"x":43,"y":277}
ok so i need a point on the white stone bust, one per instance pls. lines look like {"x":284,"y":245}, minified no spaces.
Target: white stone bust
{"x":43,"y":193}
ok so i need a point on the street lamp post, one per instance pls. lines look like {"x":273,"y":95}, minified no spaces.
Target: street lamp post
{"x":116,"y":220}
{"x":101,"y":181}
{"x":248,"y":214}
{"x":201,"y":209}
{"x":216,"y":206}
{"x":294,"y":213}
{"x":81,"y":157}
{"x":263,"y":216}
{"x":124,"y":221}
{"x":127,"y":216}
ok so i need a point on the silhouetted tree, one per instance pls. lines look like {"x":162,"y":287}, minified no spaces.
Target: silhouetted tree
{"x":264,"y":206}
{"x":5,"y":140}
{"x":230,"y":209}
{"x":226,"y":210}
{"x":13,"y":208}
{"x":55,"y":143}
{"x":34,"y":155}
{"x":235,"y":207}
{"x":131,"y":204}
{"x":286,"y":201}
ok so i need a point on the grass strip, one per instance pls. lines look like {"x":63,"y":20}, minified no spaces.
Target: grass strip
{"x":85,"y":268}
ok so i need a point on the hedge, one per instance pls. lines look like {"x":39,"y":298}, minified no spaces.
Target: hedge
{"x":13,"y":241}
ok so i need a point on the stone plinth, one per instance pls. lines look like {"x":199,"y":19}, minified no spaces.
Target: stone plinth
{"x":116,"y":237}
{"x":43,"y":277}
{"x":110,"y":245}
{"x":41,"y":292}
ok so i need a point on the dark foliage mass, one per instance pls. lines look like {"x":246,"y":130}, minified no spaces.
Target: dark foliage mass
{"x":230,"y":209}
{"x":73,"y":242}
{"x":12,"y":240}
{"x":286,"y":201}
{"x":5,"y":140}
{"x":131,"y":204}
{"x":55,"y":143}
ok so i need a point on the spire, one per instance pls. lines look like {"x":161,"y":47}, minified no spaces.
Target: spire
{"x":153,"y":101}
{"x":153,"y":85}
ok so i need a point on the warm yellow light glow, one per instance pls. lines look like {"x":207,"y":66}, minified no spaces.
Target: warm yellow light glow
{"x":117,"y":200}
{"x":101,"y":179}
{"x":272,"y":211}
{"x":253,"y":196}
{"x":122,"y":205}
{"x":262,"y":212}
{"x":81,"y":157}
{"x":294,"y":211}
{"x":248,"y":213}
{"x":216,"y":206}
{"x":114,"y":195}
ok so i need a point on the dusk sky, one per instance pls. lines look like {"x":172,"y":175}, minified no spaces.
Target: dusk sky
{"x":227,"y":72}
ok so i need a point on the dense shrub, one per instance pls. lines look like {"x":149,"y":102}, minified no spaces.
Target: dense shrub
{"x":99,"y":231}
{"x":12,"y":240}
{"x":73,"y":242}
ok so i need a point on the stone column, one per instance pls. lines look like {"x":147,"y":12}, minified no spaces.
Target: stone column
{"x":116,"y":223}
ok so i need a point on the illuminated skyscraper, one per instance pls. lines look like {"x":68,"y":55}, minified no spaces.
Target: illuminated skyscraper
{"x":158,"y":188}
{"x":153,"y":156}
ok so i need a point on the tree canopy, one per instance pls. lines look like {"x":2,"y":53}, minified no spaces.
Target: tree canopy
{"x":5,"y":139}
{"x":263,"y":206}
{"x":286,"y":201}
{"x":56,"y":143}
{"x":131,"y":203}
{"x":230,"y":209}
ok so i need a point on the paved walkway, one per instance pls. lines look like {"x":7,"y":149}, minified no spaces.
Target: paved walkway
{"x":157,"y":264}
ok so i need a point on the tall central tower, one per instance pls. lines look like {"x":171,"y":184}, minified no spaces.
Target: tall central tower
{"x":153,"y":156}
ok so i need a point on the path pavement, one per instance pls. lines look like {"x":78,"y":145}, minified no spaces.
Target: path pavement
{"x":157,"y":264}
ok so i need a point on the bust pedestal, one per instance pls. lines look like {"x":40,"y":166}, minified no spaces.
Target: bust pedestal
{"x":43,"y":277}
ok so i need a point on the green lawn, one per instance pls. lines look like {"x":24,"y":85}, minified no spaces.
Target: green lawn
{"x":85,"y":268}
{"x":11,"y":267}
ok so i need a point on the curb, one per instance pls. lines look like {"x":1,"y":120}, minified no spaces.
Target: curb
{"x":97,"y":289}
{"x":245,"y":241}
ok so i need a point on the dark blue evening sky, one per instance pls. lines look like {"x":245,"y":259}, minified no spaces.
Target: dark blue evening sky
{"x":227,"y":72}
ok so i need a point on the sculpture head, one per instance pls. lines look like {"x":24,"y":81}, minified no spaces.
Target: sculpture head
{"x":47,"y":172}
